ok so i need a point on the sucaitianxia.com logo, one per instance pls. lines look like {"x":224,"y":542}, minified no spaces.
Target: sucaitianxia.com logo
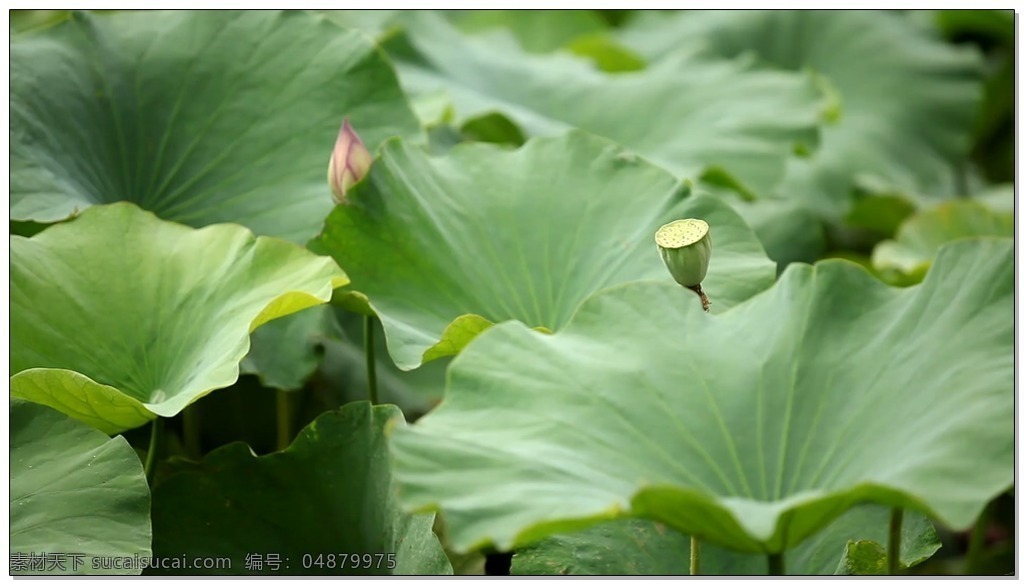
{"x":49,"y":563}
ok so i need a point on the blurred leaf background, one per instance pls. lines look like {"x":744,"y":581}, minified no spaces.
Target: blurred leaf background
{"x":871,"y":136}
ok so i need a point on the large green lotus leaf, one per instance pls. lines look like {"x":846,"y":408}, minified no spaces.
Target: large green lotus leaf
{"x":788,"y":231}
{"x":76,"y":495}
{"x":863,"y":557}
{"x":752,"y":429}
{"x":378,"y":24}
{"x":689,"y":114}
{"x":879,"y":213}
{"x":1001,"y":198}
{"x":581,"y":32}
{"x":444,"y":247}
{"x":537,"y":31}
{"x":919,"y":238}
{"x":24,"y":21}
{"x":118,"y":317}
{"x":643,"y":547}
{"x":606,"y":53}
{"x":199,"y":116}
{"x":329,"y":493}
{"x":907,"y":98}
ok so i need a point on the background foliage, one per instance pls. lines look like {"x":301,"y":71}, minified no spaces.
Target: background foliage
{"x":189,"y":310}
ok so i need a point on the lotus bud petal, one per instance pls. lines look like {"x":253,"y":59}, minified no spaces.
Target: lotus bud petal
{"x":350,"y":162}
{"x":685,"y":247}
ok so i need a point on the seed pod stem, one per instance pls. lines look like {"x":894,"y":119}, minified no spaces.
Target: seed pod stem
{"x":704,"y":302}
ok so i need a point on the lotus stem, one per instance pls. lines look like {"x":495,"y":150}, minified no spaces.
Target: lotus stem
{"x":976,"y":544}
{"x":704,"y":302}
{"x":776,"y":564}
{"x":694,"y":555}
{"x":371,"y":362}
{"x":895,"y":536}
{"x":284,"y":420}
{"x":156,"y":437}
{"x":960,"y":178}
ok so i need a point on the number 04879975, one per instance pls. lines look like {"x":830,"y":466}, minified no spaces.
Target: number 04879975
{"x":349,"y":561}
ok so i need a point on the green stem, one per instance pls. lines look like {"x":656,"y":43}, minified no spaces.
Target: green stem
{"x":776,"y":564}
{"x":704,"y":302}
{"x":371,"y":362}
{"x":190,"y":423}
{"x":284,"y":420}
{"x":976,"y":544}
{"x":694,"y":555}
{"x":895,"y":536}
{"x":960,"y":178}
{"x":156,"y":438}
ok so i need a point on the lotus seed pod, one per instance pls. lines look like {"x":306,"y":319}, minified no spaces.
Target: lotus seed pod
{"x":685,"y":247}
{"x":350,"y":162}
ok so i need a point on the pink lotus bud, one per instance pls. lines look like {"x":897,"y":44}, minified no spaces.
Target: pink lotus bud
{"x":350,"y":162}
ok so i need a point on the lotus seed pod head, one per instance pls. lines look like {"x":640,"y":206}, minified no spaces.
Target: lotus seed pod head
{"x":685,"y":247}
{"x":350,"y":162}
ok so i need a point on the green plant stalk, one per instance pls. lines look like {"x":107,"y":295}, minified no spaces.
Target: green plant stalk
{"x":705,"y":303}
{"x":895,"y":535}
{"x":960,"y":176}
{"x":284,"y":420}
{"x":976,"y":544}
{"x":694,"y":555}
{"x":776,"y":564}
{"x":156,"y":438}
{"x":190,"y":423}
{"x":371,"y":362}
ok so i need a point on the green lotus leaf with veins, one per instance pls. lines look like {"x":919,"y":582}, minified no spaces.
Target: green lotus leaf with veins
{"x":752,"y":429}
{"x":692,"y":114}
{"x":201,"y":117}
{"x":77,"y":496}
{"x":443,"y":247}
{"x":118,"y":317}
